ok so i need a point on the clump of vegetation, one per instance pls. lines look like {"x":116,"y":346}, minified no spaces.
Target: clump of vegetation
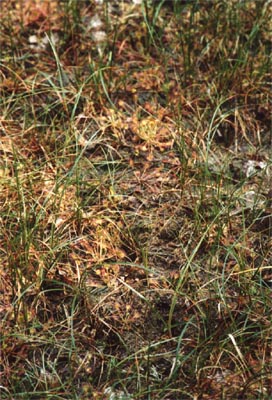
{"x":136,"y":213}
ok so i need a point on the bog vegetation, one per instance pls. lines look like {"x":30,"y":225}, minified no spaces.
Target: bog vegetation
{"x":135,"y":175}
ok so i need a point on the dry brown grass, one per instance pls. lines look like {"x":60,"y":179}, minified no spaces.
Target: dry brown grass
{"x":135,"y":240}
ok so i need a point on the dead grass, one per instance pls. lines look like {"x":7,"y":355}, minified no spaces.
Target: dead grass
{"x":135,"y":172}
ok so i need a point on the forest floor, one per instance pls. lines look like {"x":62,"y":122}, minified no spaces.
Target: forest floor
{"x":135,"y":199}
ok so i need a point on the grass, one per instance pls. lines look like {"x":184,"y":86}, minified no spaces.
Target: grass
{"x":135,"y":178}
